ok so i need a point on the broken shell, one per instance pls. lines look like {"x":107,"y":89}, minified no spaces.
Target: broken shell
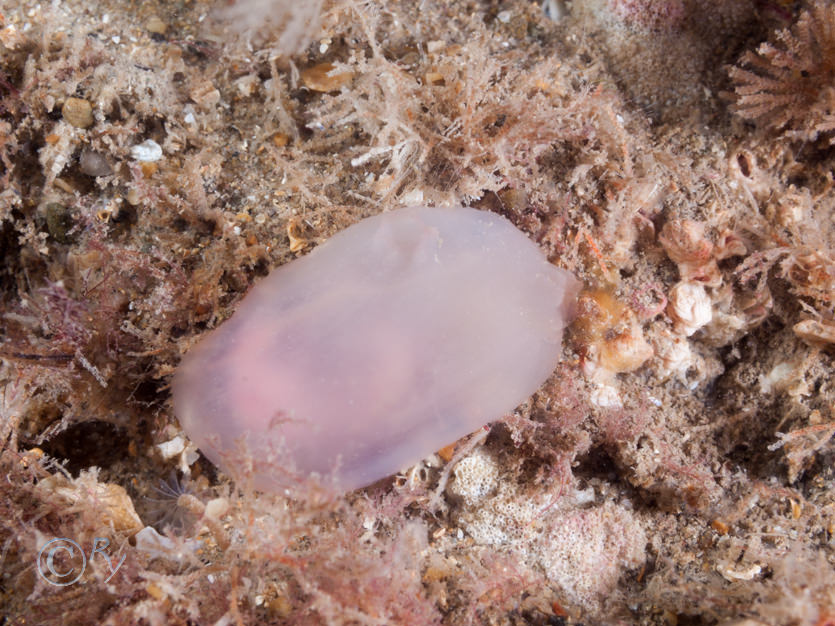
{"x":295,"y":232}
{"x":324,"y":77}
{"x":204,"y":94}
{"x":733,"y":575}
{"x":153,"y":545}
{"x":12,"y":38}
{"x":172,"y":447}
{"x":756,"y":305}
{"x":606,"y":397}
{"x":815,"y":331}
{"x":217,"y":508}
{"x":789,"y":208}
{"x":112,"y":504}
{"x":247,"y":85}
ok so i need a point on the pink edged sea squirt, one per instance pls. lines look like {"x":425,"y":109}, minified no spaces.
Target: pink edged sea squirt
{"x":397,"y":336}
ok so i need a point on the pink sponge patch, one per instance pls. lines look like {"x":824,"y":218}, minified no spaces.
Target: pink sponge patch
{"x":394,"y":338}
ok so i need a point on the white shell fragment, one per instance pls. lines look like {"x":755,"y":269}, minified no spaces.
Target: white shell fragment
{"x":396,"y":337}
{"x":148,"y":151}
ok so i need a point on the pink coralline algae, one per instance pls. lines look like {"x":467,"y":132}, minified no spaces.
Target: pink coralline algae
{"x":396,"y":337}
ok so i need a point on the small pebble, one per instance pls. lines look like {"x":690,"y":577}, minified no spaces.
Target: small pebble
{"x":205,"y":94}
{"x":58,"y":222}
{"x":247,"y":85}
{"x":148,"y":168}
{"x":156,"y":26}
{"x":78,"y":112}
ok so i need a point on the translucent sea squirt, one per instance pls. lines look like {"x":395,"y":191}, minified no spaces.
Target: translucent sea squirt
{"x":394,"y":338}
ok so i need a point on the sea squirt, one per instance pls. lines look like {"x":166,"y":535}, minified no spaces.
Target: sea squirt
{"x":397,"y":336}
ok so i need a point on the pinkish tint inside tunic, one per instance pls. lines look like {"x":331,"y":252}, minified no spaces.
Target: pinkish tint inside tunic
{"x":394,"y":338}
